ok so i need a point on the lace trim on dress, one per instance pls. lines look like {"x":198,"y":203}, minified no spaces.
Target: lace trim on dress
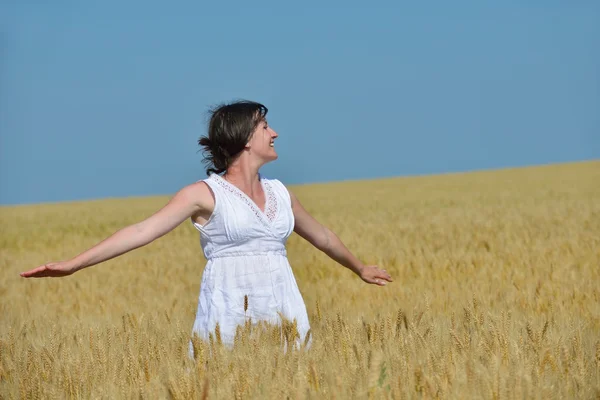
{"x":270,"y":199}
{"x":271,"y":205}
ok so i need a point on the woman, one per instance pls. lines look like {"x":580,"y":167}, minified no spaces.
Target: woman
{"x":244,"y":221}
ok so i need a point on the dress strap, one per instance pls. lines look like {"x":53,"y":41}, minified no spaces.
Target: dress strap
{"x":210,"y":181}
{"x":280,"y":188}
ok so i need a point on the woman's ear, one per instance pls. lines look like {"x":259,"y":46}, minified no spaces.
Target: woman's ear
{"x":247,"y":146}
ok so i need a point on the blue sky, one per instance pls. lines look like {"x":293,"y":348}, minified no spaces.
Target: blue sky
{"x":107,"y":99}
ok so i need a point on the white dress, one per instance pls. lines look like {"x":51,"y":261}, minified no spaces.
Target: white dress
{"x":245,"y":249}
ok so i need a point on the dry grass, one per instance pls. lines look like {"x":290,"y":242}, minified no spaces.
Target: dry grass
{"x":496,"y":295}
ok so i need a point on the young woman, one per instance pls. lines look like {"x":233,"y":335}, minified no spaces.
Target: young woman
{"x":244,"y":220}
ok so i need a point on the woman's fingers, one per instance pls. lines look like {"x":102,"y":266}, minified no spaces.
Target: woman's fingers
{"x":36,"y":272}
{"x":372,"y":274}
{"x":47,"y":270}
{"x":381,"y":277}
{"x":384,"y":274}
{"x":381,"y":274}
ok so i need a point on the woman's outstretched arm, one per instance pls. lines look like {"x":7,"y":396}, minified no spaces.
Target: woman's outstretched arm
{"x":328,"y":242}
{"x":183,"y":205}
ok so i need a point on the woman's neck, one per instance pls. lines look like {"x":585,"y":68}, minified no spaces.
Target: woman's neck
{"x":244,"y":177}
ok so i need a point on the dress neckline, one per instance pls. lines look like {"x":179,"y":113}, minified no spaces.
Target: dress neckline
{"x":270,"y":207}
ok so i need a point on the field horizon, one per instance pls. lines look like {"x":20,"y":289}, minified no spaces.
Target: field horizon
{"x":309,"y":184}
{"x":495,"y":296}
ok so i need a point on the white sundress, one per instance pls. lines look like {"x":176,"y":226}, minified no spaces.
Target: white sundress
{"x":245,"y":250}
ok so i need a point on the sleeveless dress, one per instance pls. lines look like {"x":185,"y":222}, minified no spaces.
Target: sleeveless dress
{"x":246,"y":256}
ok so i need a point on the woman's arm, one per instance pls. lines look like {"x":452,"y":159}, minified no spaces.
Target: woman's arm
{"x":328,"y":242}
{"x":183,"y":205}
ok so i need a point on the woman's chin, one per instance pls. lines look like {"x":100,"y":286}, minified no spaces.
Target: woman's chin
{"x":271,"y":157}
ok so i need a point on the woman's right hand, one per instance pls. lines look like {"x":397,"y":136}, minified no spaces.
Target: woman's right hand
{"x":55,"y":270}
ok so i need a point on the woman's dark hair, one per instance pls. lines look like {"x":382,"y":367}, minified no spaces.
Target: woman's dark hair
{"x":229,"y":130}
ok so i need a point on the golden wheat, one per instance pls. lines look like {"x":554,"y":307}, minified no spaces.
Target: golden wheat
{"x":495,"y":296}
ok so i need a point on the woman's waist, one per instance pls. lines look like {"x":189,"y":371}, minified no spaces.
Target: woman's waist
{"x":240,"y":253}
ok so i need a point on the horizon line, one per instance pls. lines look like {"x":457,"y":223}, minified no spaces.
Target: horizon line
{"x":320,"y":183}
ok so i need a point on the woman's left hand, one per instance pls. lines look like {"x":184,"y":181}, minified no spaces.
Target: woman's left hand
{"x":372,"y":274}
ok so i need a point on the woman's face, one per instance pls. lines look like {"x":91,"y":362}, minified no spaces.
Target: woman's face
{"x":261,"y":143}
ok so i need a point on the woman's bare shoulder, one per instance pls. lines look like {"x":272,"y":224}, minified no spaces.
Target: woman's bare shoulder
{"x":200,"y":193}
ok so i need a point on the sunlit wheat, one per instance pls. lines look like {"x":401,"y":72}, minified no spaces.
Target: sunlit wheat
{"x":496,"y":295}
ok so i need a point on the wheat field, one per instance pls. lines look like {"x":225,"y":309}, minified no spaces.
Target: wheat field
{"x":496,"y":295}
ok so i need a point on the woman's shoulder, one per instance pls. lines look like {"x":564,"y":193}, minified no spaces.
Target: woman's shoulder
{"x":211,"y":177}
{"x":212,"y":182}
{"x":200,"y":189}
